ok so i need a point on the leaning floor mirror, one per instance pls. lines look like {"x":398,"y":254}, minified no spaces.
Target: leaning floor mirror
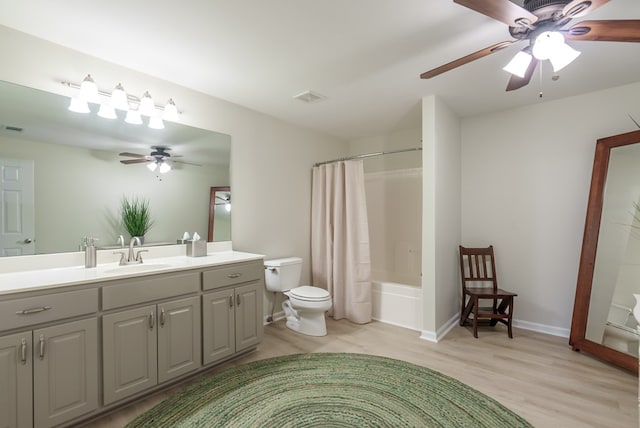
{"x":609,"y":274}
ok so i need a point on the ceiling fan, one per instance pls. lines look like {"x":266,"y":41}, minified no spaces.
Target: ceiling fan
{"x":543,"y":24}
{"x":158,"y":157}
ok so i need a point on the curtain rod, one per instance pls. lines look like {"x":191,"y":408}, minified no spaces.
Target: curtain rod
{"x":368,"y":155}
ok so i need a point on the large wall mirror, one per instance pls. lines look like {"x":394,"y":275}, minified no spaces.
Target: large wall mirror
{"x":78,"y":181}
{"x":603,"y":323}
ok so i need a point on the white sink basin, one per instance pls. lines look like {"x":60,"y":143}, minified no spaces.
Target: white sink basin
{"x":143,"y":267}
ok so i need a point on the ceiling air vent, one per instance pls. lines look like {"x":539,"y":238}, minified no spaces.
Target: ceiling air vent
{"x":11,"y":128}
{"x":309,"y":97}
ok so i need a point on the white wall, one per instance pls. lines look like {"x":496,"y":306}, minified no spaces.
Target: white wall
{"x":441,"y":215}
{"x":525,"y":183}
{"x":270,"y":160}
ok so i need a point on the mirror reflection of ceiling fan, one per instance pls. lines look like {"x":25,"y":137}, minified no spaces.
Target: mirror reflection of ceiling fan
{"x":542,"y":23}
{"x":224,"y":199}
{"x":158,"y":158}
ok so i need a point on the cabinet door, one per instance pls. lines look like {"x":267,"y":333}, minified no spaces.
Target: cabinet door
{"x":65,"y":372}
{"x":16,"y":381}
{"x":218,"y":340}
{"x":248,"y":317}
{"x":129,"y":352}
{"x":178,"y":338}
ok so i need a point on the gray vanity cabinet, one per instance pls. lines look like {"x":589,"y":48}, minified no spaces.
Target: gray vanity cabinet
{"x":149,"y":345}
{"x":232,"y":314}
{"x":49,"y":375}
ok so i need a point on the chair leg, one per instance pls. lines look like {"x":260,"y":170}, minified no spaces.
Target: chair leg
{"x":475,"y":317}
{"x":509,"y":319}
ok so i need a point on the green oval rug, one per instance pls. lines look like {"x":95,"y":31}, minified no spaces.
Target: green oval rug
{"x":328,"y":390}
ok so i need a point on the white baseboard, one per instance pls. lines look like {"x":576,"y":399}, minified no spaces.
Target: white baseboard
{"x":525,"y":325}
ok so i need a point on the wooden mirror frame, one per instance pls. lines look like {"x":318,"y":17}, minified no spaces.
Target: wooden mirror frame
{"x":577,"y":338}
{"x":212,"y":207}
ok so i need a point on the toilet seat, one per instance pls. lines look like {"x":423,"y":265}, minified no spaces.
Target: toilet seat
{"x":308,"y":293}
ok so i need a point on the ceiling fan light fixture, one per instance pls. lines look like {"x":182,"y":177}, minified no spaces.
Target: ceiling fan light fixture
{"x":89,"y":90}
{"x":78,"y":105}
{"x":164,"y":167}
{"x":119,"y":99}
{"x":562,"y":56}
{"x":519,"y":64}
{"x":133,"y":117}
{"x":147,"y":107}
{"x":152,"y":166}
{"x":107,"y":112}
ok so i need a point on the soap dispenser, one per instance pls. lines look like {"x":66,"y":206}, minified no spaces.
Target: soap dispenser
{"x":90,"y":258}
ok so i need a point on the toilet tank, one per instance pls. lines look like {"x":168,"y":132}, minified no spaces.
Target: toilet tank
{"x":282,"y":274}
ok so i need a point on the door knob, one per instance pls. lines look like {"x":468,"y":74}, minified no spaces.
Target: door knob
{"x":28,"y":241}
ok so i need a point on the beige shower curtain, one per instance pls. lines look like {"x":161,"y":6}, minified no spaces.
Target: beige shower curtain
{"x":340,"y":260}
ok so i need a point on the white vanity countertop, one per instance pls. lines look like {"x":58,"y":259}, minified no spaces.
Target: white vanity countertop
{"x":31,"y":280}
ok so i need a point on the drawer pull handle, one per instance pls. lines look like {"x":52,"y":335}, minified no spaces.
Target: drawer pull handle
{"x":23,"y":351}
{"x":42,"y":347}
{"x":234,"y":275}
{"x":162,"y":320}
{"x":33,"y":310}
{"x":231,"y":301}
{"x":151,"y":322}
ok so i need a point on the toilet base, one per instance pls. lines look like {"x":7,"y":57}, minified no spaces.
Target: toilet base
{"x":310,"y":323}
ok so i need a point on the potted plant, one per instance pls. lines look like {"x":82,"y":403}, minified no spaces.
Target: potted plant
{"x":136,"y":216}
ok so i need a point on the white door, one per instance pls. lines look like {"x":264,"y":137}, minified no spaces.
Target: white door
{"x":17,"y":218}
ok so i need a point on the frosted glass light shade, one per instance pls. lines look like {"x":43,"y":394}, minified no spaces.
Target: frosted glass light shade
{"x":170,"y":111}
{"x":78,"y":106}
{"x":147,"y":107}
{"x":152,"y":166}
{"x":89,"y":90}
{"x":562,"y":56}
{"x":119,"y":98}
{"x":519,"y":64}
{"x":107,"y":112}
{"x":156,"y":123}
{"x":133,"y":117}
{"x":164,"y":167}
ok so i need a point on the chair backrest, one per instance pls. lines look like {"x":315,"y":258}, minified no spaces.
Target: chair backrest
{"x":478,"y":267}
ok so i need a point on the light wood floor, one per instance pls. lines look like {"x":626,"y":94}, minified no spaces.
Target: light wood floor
{"x":536,"y":375}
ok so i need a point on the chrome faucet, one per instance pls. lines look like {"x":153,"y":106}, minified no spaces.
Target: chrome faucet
{"x":132,"y":258}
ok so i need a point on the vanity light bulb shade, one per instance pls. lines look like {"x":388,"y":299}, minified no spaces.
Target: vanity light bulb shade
{"x":107,"y":112}
{"x":133,"y":117}
{"x":156,"y":123}
{"x":147,"y":107}
{"x":89,"y":90}
{"x":164,"y":167}
{"x":170,"y":111}
{"x":152,"y":166}
{"x":119,"y":98}
{"x":78,"y":106}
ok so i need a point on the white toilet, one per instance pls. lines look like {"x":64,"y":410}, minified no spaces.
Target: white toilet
{"x":306,"y":305}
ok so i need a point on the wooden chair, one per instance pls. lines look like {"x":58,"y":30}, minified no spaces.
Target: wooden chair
{"x":479,"y":282}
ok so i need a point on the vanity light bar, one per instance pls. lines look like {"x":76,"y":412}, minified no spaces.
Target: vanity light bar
{"x":133,"y":104}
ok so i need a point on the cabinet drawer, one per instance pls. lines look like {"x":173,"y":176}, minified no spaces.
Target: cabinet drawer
{"x":232,"y":274}
{"x":50,"y":307}
{"x":128,"y":292}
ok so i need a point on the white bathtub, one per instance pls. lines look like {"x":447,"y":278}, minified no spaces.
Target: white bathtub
{"x":397,"y":304}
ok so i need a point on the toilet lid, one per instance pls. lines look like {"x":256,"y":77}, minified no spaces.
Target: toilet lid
{"x":309,"y":293}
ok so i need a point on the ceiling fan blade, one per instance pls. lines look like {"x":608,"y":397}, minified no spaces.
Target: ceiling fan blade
{"x":465,"y":59}
{"x":501,"y":10}
{"x":130,"y":161}
{"x":578,"y":8}
{"x":132,"y":155}
{"x":517,"y":82}
{"x":186,"y":163}
{"x":621,"y":30}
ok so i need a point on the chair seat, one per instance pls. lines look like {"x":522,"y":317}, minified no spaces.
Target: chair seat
{"x":487,"y":293}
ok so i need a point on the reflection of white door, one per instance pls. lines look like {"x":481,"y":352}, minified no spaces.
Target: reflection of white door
{"x":17,"y":219}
